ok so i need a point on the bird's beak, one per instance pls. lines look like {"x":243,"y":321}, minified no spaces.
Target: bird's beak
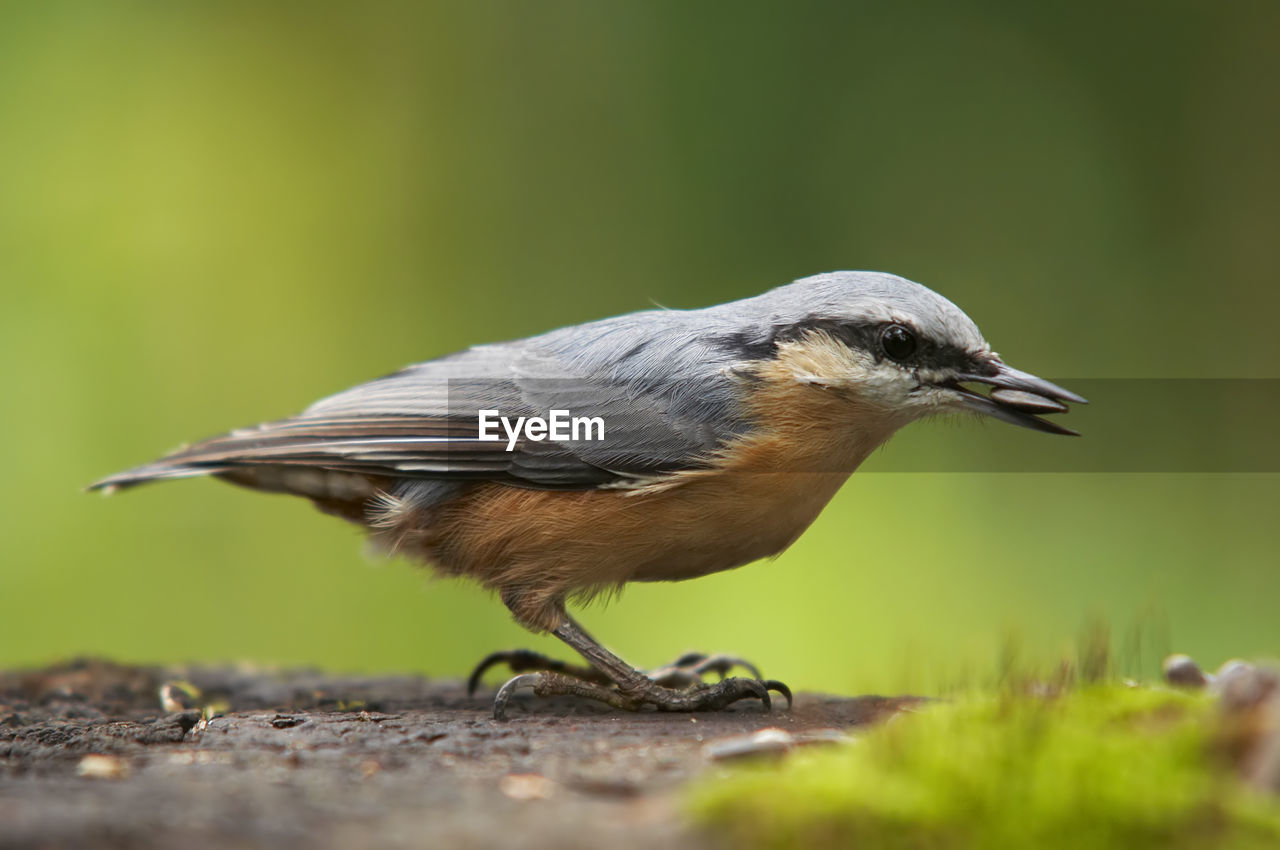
{"x":1016,"y":397}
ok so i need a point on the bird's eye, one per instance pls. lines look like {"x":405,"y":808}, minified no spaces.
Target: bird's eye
{"x":898,"y":341}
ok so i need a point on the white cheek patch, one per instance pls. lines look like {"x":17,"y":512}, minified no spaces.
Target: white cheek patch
{"x":887,"y":384}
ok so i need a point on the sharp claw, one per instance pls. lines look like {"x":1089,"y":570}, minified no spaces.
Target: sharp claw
{"x":473,"y":681}
{"x":524,"y":680}
{"x":775,"y":685}
{"x":490,"y":661}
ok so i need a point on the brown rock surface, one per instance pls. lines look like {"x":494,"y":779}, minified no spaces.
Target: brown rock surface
{"x":89,"y":759}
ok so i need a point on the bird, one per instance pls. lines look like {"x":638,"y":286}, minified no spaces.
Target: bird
{"x":659,"y":445}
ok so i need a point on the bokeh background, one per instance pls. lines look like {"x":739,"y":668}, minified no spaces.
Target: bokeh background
{"x":212,"y":213}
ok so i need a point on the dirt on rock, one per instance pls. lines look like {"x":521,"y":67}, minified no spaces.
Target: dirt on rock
{"x":94,"y":755}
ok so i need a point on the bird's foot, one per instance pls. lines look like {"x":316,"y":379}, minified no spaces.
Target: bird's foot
{"x":696,"y":697}
{"x":684,"y":672}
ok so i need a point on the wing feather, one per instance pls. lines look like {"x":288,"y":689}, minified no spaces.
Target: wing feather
{"x":422,"y":423}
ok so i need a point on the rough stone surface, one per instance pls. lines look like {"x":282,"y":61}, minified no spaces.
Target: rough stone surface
{"x":90,"y":759}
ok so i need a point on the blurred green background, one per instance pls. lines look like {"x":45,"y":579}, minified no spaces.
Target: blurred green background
{"x":213,"y":213}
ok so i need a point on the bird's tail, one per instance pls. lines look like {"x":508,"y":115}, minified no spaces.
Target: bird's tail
{"x":204,"y":458}
{"x":302,"y":457}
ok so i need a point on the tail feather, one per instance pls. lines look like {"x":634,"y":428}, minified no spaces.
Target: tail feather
{"x":163,"y":469}
{"x":363,"y":446}
{"x":208,"y":457}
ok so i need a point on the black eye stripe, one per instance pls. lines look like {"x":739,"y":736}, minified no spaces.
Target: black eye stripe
{"x":864,"y":336}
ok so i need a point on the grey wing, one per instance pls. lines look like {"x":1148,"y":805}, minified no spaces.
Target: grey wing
{"x":423,"y":423}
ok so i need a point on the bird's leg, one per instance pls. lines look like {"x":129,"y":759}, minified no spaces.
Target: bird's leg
{"x":632,"y":689}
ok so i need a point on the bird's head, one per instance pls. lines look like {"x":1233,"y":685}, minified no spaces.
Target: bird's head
{"x":893,"y":346}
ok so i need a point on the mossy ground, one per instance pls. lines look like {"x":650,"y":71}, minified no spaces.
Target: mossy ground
{"x":1099,"y":766}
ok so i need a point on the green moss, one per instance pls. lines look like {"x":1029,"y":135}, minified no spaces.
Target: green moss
{"x":1102,"y":767}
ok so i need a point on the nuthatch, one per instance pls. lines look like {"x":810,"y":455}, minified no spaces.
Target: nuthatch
{"x":711,"y":438}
